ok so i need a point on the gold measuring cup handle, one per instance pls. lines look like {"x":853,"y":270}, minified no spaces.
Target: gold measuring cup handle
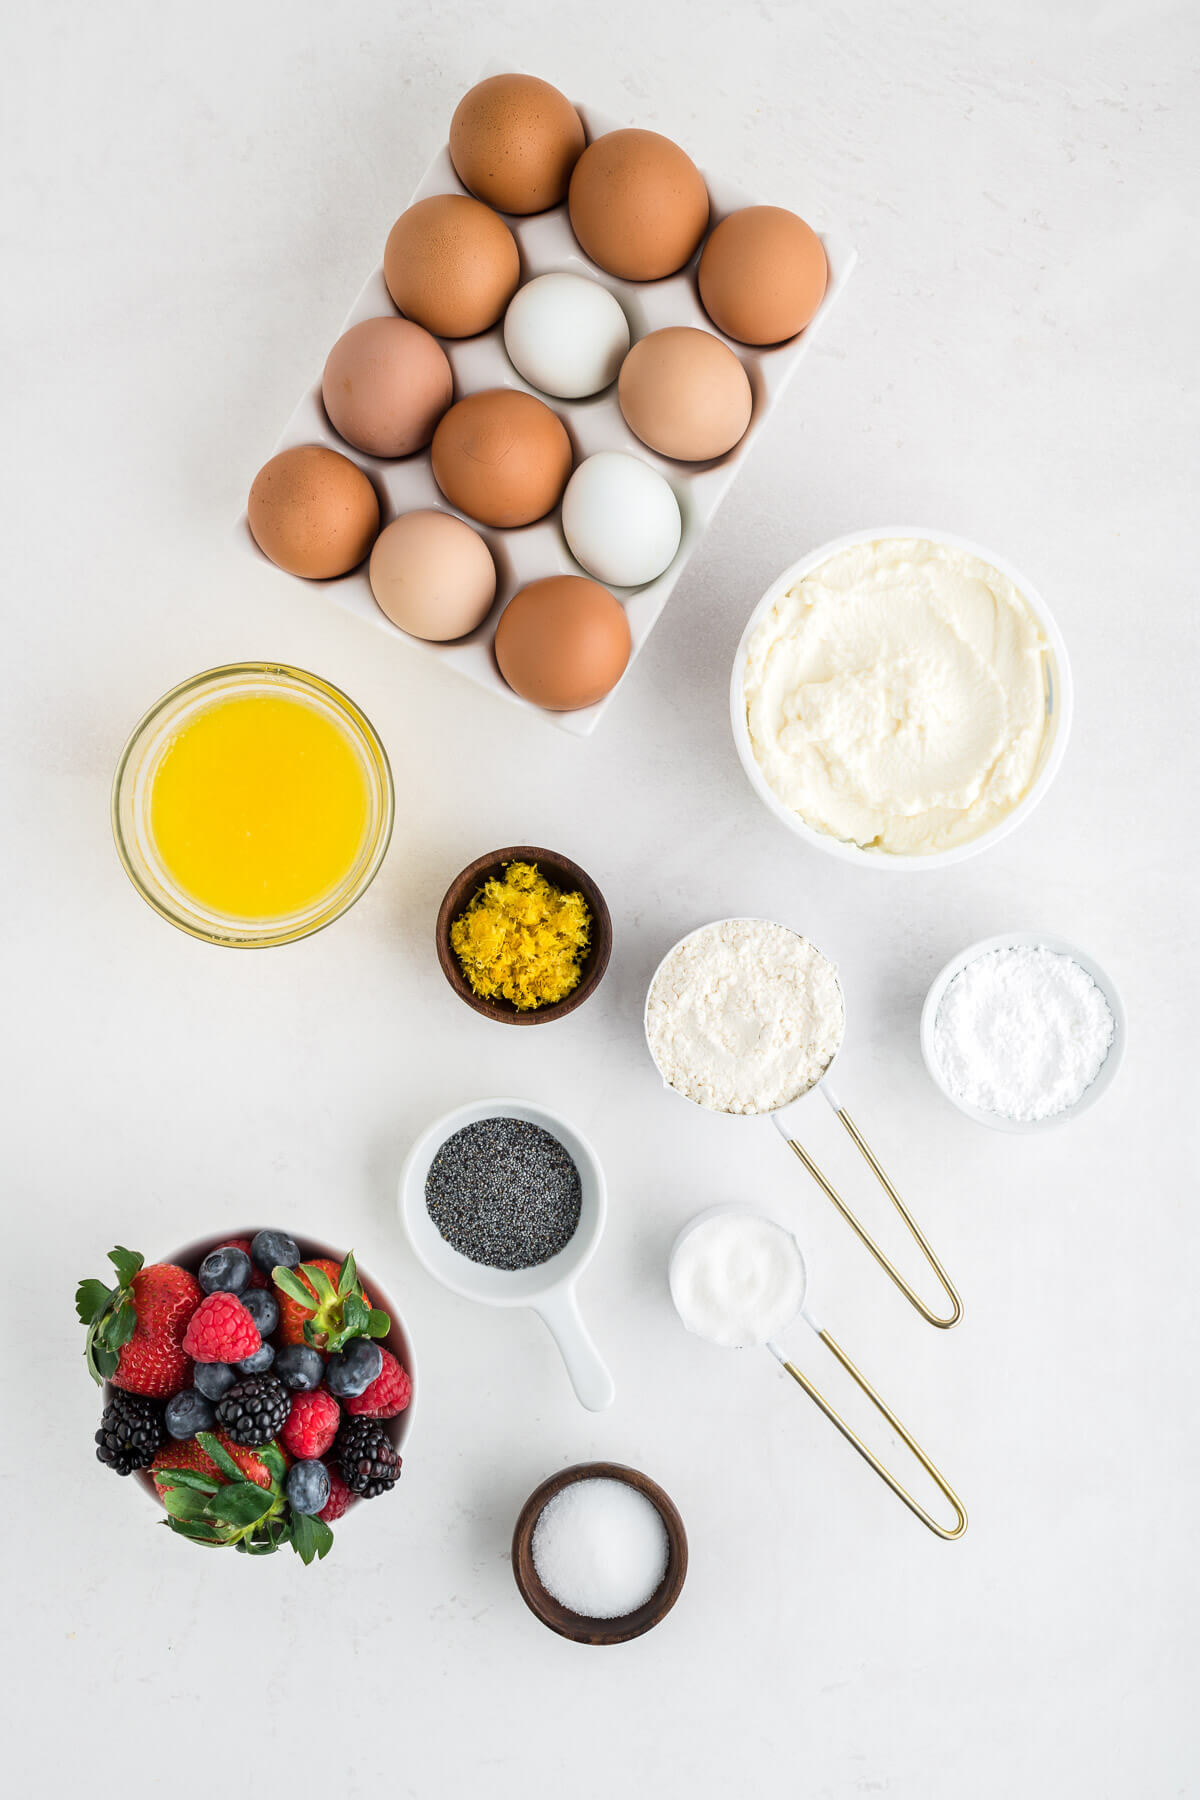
{"x":864,"y":1236}
{"x":852,"y":1437}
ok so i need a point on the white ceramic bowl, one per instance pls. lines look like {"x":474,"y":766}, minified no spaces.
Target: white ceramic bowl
{"x":1025,"y":940}
{"x":549,"y":1287}
{"x":1060,"y":701}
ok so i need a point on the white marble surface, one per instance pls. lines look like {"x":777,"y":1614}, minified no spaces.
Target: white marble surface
{"x":193,"y":196}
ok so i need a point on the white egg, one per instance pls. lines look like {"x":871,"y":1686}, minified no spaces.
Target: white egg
{"x":621,"y":519}
{"x":566,"y":335}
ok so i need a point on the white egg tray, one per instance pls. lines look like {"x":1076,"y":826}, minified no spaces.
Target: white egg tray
{"x":547,"y":243}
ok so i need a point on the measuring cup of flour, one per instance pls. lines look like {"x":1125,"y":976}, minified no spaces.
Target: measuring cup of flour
{"x":548,"y":1288}
{"x":745,"y":1016}
{"x":738,"y":1279}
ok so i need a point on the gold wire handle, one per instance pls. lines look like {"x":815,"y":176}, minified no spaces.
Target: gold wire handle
{"x":852,"y":1437}
{"x":865,"y":1237}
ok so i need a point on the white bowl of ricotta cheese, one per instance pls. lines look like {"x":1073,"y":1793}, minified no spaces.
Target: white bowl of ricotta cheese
{"x":901,"y":698}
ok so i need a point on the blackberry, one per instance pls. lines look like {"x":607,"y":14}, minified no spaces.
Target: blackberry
{"x":131,"y":1431}
{"x":254,"y":1410}
{"x":368,"y":1460}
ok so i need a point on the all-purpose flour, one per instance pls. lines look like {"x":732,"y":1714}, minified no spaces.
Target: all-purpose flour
{"x":744,"y":1016}
{"x":1022,"y":1033}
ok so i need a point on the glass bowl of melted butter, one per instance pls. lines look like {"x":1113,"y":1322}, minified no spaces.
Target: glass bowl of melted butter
{"x":252,"y":805}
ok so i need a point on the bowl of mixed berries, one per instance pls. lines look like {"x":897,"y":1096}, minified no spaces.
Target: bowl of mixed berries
{"x":252,"y":1385}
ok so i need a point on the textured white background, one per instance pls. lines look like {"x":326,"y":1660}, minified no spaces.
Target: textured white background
{"x":194,"y":193}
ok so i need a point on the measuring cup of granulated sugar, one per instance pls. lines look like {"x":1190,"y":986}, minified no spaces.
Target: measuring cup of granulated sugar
{"x":738,"y":1279}
{"x":745,"y":1016}
{"x":548,"y":1288}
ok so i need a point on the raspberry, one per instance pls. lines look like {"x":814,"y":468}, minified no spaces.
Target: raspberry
{"x":340,"y":1498}
{"x":221,"y":1330}
{"x":388,"y":1394}
{"x":312,"y":1425}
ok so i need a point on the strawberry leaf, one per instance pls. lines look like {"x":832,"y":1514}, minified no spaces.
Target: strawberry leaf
{"x":243,"y":1504}
{"x":311,"y":1537}
{"x":312,"y":1336}
{"x":355,"y":1313}
{"x":185,"y":1503}
{"x":126,"y":1262}
{"x":197,"y":1531}
{"x":119,"y":1327}
{"x":289,"y":1283}
{"x":92,"y":1300}
{"x":189,"y":1478}
{"x":378,"y":1323}
{"x":220,"y":1456}
{"x":102,"y":1362}
{"x":347,"y":1276}
{"x":322,"y":1286}
{"x":272,"y":1459}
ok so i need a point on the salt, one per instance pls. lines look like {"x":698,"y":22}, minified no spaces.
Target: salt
{"x":600,"y":1548}
{"x":1022,"y":1033}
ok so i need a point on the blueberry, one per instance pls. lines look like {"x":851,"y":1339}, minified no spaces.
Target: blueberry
{"x":300,"y":1368}
{"x":274,"y":1249}
{"x":263,"y":1309}
{"x":190,"y":1412}
{"x":262,"y":1359}
{"x":226,"y":1271}
{"x":214,"y":1379}
{"x":307,"y":1486}
{"x":350,"y":1372}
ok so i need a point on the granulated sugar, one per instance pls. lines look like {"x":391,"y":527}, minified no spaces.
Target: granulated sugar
{"x":1022,"y":1033}
{"x":600,"y":1547}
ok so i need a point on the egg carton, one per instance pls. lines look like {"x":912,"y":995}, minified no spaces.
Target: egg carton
{"x":526,"y":553}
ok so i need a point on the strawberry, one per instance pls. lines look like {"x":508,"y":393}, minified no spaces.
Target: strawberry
{"x":388,"y":1394}
{"x":340,"y":1498}
{"x":312,"y":1425}
{"x":221,"y":1330}
{"x":323,"y":1304}
{"x":135,"y":1331}
{"x":193,"y":1458}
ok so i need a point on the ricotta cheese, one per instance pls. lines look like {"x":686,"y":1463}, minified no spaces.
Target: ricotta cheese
{"x":896,"y":696}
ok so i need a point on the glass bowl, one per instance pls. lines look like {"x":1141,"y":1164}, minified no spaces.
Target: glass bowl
{"x":134,"y":781}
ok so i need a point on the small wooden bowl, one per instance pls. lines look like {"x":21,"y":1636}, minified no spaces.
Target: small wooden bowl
{"x":563,"y":874}
{"x":551,"y":1611}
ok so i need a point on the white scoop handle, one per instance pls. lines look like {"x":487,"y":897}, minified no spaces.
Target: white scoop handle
{"x":560,"y":1314}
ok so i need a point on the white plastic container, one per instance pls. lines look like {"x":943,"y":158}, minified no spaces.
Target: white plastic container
{"x":1060,"y":703}
{"x":547,"y":243}
{"x":1025,"y":940}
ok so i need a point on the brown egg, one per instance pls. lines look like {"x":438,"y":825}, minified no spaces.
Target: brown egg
{"x":563,"y":642}
{"x":685,"y":394}
{"x":639,"y":205}
{"x":451,"y":264}
{"x":514,"y":141}
{"x":501,"y":457}
{"x":762,"y":275}
{"x":386,"y":385}
{"x":432,"y":575}
{"x":313,"y":511}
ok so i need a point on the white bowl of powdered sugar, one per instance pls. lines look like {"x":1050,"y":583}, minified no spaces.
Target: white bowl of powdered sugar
{"x":1023,"y":1031}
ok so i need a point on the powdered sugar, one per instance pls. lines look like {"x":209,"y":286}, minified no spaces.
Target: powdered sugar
{"x":744,"y":1016}
{"x":1022,"y":1032}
